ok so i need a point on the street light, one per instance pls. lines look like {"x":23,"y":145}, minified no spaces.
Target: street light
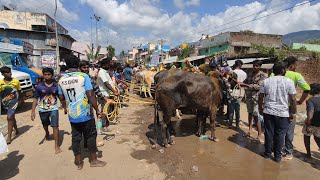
{"x":97,"y":19}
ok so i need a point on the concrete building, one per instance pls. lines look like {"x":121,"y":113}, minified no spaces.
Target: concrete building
{"x":309,"y":47}
{"x":237,"y":43}
{"x":44,"y":43}
{"x":38,"y":30}
{"x":28,"y":21}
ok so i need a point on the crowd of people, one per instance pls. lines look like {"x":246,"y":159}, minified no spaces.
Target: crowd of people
{"x":80,"y":86}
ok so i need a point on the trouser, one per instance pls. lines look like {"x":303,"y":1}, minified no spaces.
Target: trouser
{"x":275,"y":130}
{"x":88,"y":131}
{"x":288,"y":145}
{"x":288,"y":141}
{"x":234,"y":108}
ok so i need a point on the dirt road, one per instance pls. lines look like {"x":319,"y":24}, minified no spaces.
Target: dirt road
{"x":129,"y":154}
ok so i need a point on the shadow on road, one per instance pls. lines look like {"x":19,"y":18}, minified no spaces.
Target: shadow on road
{"x":22,"y":130}
{"x":314,"y":161}
{"x":24,"y":107}
{"x":9,"y":167}
{"x":251,"y":144}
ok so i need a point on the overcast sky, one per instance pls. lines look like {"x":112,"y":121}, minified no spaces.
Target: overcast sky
{"x":128,"y":23}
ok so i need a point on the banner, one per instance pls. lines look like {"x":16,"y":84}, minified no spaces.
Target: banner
{"x":155,"y":59}
{"x":48,"y":59}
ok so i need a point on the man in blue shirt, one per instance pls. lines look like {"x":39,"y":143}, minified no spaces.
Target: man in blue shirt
{"x":76,"y":96}
{"x":127,"y":72}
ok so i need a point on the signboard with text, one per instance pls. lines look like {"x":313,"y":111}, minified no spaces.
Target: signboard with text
{"x":48,"y":59}
{"x":155,"y":59}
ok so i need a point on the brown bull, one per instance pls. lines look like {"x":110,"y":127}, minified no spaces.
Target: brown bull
{"x":189,"y":90}
{"x":146,"y":78}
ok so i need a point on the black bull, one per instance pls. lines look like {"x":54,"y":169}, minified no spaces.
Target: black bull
{"x":177,"y":88}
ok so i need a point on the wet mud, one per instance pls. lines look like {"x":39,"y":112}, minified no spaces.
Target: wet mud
{"x":234,"y":157}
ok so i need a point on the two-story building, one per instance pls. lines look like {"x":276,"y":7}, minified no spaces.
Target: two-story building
{"x":38,"y":30}
{"x":237,"y":43}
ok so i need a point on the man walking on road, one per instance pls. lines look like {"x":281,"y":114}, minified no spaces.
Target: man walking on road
{"x":76,"y":96}
{"x":46,"y":97}
{"x":275,"y":94}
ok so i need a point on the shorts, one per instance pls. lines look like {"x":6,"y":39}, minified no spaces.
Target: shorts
{"x":252,"y":106}
{"x":50,"y":118}
{"x":11,"y":109}
{"x":312,"y":131}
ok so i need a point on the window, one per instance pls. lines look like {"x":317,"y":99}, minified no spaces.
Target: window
{"x":5,"y":59}
{"x":39,"y":28}
{"x":26,"y":60}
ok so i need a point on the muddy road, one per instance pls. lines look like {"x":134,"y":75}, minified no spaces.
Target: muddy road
{"x":129,"y":154}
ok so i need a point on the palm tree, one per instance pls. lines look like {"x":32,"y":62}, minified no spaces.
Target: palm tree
{"x":91,"y":55}
{"x":111,"y":51}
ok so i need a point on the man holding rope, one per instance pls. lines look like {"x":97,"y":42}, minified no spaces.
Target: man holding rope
{"x":234,"y":105}
{"x":106,"y":86}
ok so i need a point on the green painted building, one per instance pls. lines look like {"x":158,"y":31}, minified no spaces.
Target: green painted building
{"x":237,"y":43}
{"x":309,"y":47}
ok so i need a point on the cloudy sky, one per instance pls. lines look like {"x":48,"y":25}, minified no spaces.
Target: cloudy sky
{"x":128,"y":23}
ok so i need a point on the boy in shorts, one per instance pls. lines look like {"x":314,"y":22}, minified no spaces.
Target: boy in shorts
{"x":46,"y":96}
{"x":9,"y":92}
{"x":312,"y":123}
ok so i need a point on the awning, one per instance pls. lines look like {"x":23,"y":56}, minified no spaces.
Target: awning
{"x":171,"y":59}
{"x":192,"y":58}
{"x":246,"y":60}
{"x":250,"y":66}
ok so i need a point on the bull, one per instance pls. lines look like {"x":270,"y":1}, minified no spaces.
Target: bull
{"x":176,"y":89}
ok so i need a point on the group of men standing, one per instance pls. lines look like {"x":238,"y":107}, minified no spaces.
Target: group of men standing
{"x":273,"y":99}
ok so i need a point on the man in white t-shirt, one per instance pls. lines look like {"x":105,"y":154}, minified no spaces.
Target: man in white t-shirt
{"x":106,"y":86}
{"x":237,"y":94}
{"x":275,"y":95}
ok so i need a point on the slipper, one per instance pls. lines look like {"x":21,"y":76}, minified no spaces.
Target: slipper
{"x":97,"y":163}
{"x":9,"y":142}
{"x":260,"y":140}
{"x":109,"y":137}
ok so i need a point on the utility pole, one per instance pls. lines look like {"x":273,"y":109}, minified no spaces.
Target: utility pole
{"x":97,"y":18}
{"x":161,"y":41}
{"x":57,"y":39}
{"x":91,"y":41}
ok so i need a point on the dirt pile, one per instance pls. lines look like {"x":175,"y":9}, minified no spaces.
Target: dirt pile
{"x":310,"y":70}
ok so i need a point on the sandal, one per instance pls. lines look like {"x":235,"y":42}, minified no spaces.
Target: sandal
{"x":109,"y":137}
{"x":97,"y":163}
{"x":9,"y":142}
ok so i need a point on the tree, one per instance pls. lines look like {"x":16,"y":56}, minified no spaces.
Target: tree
{"x":111,"y":51}
{"x":185,"y":52}
{"x":249,"y":32}
{"x":91,"y":55}
{"x":313,"y":41}
{"x":122,"y":54}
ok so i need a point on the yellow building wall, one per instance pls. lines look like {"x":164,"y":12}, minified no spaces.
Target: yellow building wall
{"x":21,"y":20}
